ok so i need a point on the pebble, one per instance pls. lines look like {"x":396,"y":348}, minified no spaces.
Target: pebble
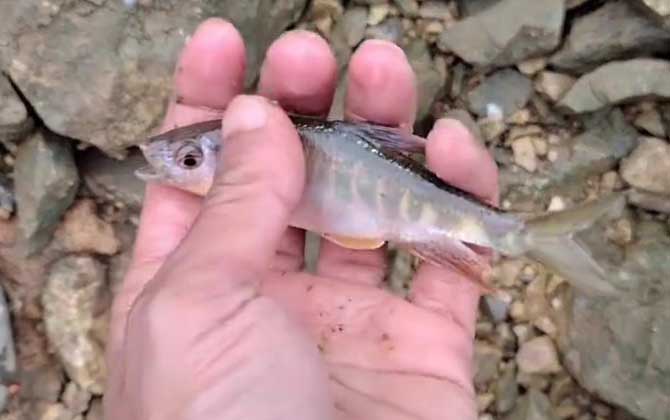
{"x":57,"y":411}
{"x":484,"y":401}
{"x":83,"y":231}
{"x":648,"y":166}
{"x":71,"y":310}
{"x":650,"y":201}
{"x":407,"y":7}
{"x":434,"y":9}
{"x":524,"y":153}
{"x":487,"y":358}
{"x":518,"y":311}
{"x":650,"y":121}
{"x":553,"y":85}
{"x":507,"y":391}
{"x":557,"y":203}
{"x":377,"y":13}
{"x":611,"y":181}
{"x":507,"y":90}
{"x":75,"y":398}
{"x":567,"y":411}
{"x":354,"y":21}
{"x":497,"y":306}
{"x":15,"y":123}
{"x":42,"y":382}
{"x":620,"y":232}
{"x":533,"y":406}
{"x":532,"y":65}
{"x":538,"y":356}
{"x":390,"y":30}
{"x":46,"y":181}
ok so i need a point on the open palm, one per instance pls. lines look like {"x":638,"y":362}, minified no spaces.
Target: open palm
{"x":385,"y":357}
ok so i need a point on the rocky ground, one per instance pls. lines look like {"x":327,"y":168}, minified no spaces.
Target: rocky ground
{"x":570,"y":96}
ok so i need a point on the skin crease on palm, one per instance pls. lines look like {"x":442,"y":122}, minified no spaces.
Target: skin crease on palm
{"x":216,"y":318}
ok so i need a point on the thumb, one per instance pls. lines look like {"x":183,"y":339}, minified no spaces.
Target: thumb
{"x":258,"y":182}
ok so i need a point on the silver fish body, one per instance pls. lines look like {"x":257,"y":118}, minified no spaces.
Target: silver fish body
{"x":364,"y":189}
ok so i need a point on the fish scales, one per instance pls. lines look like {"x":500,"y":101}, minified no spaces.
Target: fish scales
{"x":363,"y":185}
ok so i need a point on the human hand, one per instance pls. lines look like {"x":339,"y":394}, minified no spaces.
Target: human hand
{"x":216,"y":319}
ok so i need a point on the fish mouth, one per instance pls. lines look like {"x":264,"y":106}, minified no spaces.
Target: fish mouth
{"x":147,"y":173}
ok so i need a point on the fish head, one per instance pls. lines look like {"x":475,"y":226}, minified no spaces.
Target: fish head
{"x":185,"y":163}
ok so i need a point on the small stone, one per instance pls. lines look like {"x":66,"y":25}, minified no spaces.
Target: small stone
{"x":390,"y":30}
{"x":407,"y":7}
{"x":507,"y":32}
{"x":612,"y":84}
{"x":377,"y":14}
{"x":354,"y":21}
{"x":46,"y":181}
{"x":484,"y":401}
{"x":43,"y":382}
{"x":56,"y":411}
{"x":71,"y":301}
{"x":650,"y":121}
{"x":648,"y":166}
{"x":505,"y":338}
{"x":505,"y":89}
{"x":524,"y":153}
{"x":561,"y":388}
{"x":487,"y":359}
{"x":434,"y":9}
{"x":620,"y":232}
{"x":535,"y":299}
{"x":114,"y":180}
{"x":96,"y":411}
{"x":614,"y":31}
{"x":507,"y":272}
{"x":518,"y":311}
{"x":507,"y":391}
{"x":533,"y":406}
{"x":15,"y":123}
{"x":520,"y":117}
{"x":497,"y":307}
{"x":650,"y":201}
{"x":7,"y":347}
{"x":541,"y":146}
{"x":83,"y":231}
{"x":532,"y":65}
{"x":538,"y":356}
{"x":523,"y":332}
{"x":567,"y":411}
{"x":546,"y":325}
{"x":553,"y":85}
{"x":430,"y":76}
{"x":611,"y":181}
{"x":320,"y":9}
{"x":491,"y":128}
{"x":75,"y":398}
{"x":557,"y":203}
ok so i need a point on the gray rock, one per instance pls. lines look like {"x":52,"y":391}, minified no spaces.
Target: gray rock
{"x":42,"y":383}
{"x":473,"y":7}
{"x":95,"y":412}
{"x":613,"y":32}
{"x":389,"y":30}
{"x":113,"y":179}
{"x":408,"y":8}
{"x":533,"y":406}
{"x":651,"y":121}
{"x":487,"y":358}
{"x":354,"y":21}
{"x":659,"y":9}
{"x":607,"y":137}
{"x":431,"y":76}
{"x":75,"y":398}
{"x":496,"y":308}
{"x":435,"y":9}
{"x":507,"y":391}
{"x":46,"y":181}
{"x":506,"y":89}
{"x":648,"y":166}
{"x":55,"y":412}
{"x":15,"y":123}
{"x":71,"y":301}
{"x":618,"y":348}
{"x":538,"y":356}
{"x":101,"y":71}
{"x":618,"y":82}
{"x":507,"y":32}
{"x":7,"y":200}
{"x":7,"y":349}
{"x":650,"y":201}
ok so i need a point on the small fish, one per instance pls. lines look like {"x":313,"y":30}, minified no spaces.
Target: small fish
{"x":363,"y":189}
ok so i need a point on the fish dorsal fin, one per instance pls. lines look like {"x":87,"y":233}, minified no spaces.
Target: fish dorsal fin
{"x":385,"y":137}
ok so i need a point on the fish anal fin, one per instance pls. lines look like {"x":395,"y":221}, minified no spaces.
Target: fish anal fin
{"x":355,"y":243}
{"x":457,"y":256}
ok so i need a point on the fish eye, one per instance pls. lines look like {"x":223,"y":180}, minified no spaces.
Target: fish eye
{"x":189,"y":156}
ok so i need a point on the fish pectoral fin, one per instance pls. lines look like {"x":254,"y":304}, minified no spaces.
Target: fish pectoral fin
{"x":457,"y":256}
{"x":354,"y":243}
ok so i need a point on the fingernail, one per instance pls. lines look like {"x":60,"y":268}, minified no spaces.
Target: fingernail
{"x":246,"y":113}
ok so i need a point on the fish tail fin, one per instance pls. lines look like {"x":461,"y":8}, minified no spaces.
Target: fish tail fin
{"x":550,"y":239}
